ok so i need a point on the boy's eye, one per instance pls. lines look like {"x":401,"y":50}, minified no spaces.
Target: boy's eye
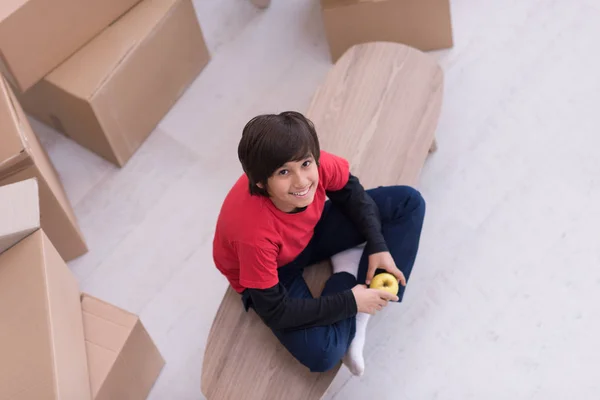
{"x":306,"y":163}
{"x":283,"y":172}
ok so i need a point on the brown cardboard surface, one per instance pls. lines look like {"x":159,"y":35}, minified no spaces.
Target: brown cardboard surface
{"x":37,"y":35}
{"x":22,"y":157}
{"x":19,"y":212}
{"x":422,"y":24}
{"x":112,"y":93}
{"x":41,"y":335}
{"x":123,"y":361}
{"x":11,"y":145}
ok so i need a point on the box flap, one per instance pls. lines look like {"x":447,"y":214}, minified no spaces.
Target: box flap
{"x":106,"y":330}
{"x":94,"y":306}
{"x":12,"y":144}
{"x":19,"y":212}
{"x":100,"y":362}
{"x":137,"y":368}
{"x":85,"y":71}
{"x":123,"y":360}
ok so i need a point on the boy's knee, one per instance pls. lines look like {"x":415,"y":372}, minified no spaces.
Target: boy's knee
{"x":403,"y":199}
{"x":323,"y":360}
{"x":412,"y":196}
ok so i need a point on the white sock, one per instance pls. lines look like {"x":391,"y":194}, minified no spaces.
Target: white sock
{"x":347,"y":261}
{"x":354,"y":359}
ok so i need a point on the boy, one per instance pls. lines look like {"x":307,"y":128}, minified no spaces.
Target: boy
{"x":275,"y":221}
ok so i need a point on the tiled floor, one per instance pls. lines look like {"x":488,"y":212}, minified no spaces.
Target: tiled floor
{"x":505,"y":298}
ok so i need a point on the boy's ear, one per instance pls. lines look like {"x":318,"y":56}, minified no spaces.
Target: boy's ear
{"x":260,"y":185}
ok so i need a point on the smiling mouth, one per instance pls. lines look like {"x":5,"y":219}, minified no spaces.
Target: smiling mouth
{"x":302,"y":193}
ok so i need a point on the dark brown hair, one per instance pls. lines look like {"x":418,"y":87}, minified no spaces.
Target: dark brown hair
{"x":271,"y":140}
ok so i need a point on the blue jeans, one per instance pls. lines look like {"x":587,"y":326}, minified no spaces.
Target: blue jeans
{"x":402,"y":210}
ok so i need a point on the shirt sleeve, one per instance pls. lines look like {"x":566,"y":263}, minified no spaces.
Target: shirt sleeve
{"x":281,"y":312}
{"x":258,"y":264}
{"x":334,"y":171}
{"x":360,"y":208}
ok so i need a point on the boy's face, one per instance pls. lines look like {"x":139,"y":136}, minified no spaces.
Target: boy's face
{"x":294,"y":184}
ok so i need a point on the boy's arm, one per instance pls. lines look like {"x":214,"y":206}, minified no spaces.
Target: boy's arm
{"x":258,"y":273}
{"x":360,"y":208}
{"x":281,"y":312}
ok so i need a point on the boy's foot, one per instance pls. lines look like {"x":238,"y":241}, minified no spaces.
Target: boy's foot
{"x":347,"y":261}
{"x":354,"y":359}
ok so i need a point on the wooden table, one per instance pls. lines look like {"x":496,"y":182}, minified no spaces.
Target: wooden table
{"x":378,"y":107}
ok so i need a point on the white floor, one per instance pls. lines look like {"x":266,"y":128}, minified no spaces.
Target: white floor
{"x":504,"y":302}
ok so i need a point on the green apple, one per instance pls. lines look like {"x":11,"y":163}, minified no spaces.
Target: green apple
{"x":385,"y":281}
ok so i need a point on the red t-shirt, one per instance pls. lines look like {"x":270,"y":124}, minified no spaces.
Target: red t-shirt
{"x":253,"y":237}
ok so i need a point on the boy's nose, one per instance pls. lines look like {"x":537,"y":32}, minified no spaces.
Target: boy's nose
{"x":301,"y":183}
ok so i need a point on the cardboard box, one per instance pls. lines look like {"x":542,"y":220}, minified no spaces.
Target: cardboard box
{"x":422,"y":24}
{"x":37,"y":35}
{"x":19,"y":212}
{"x":42,"y":347}
{"x":111,"y":94}
{"x":22,"y":157}
{"x":123,"y":361}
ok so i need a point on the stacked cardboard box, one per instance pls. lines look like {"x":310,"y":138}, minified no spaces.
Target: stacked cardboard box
{"x":423,"y":24}
{"x":107,"y":92}
{"x":110,"y":94}
{"x":37,"y":35}
{"x":57,"y":343}
{"x":23,"y":157}
{"x":103,"y":72}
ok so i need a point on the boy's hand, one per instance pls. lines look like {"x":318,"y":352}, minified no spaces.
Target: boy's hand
{"x":371,"y":300}
{"x":384,"y":260}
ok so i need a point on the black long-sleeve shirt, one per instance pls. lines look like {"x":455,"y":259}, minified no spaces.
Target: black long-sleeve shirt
{"x":281,"y":312}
